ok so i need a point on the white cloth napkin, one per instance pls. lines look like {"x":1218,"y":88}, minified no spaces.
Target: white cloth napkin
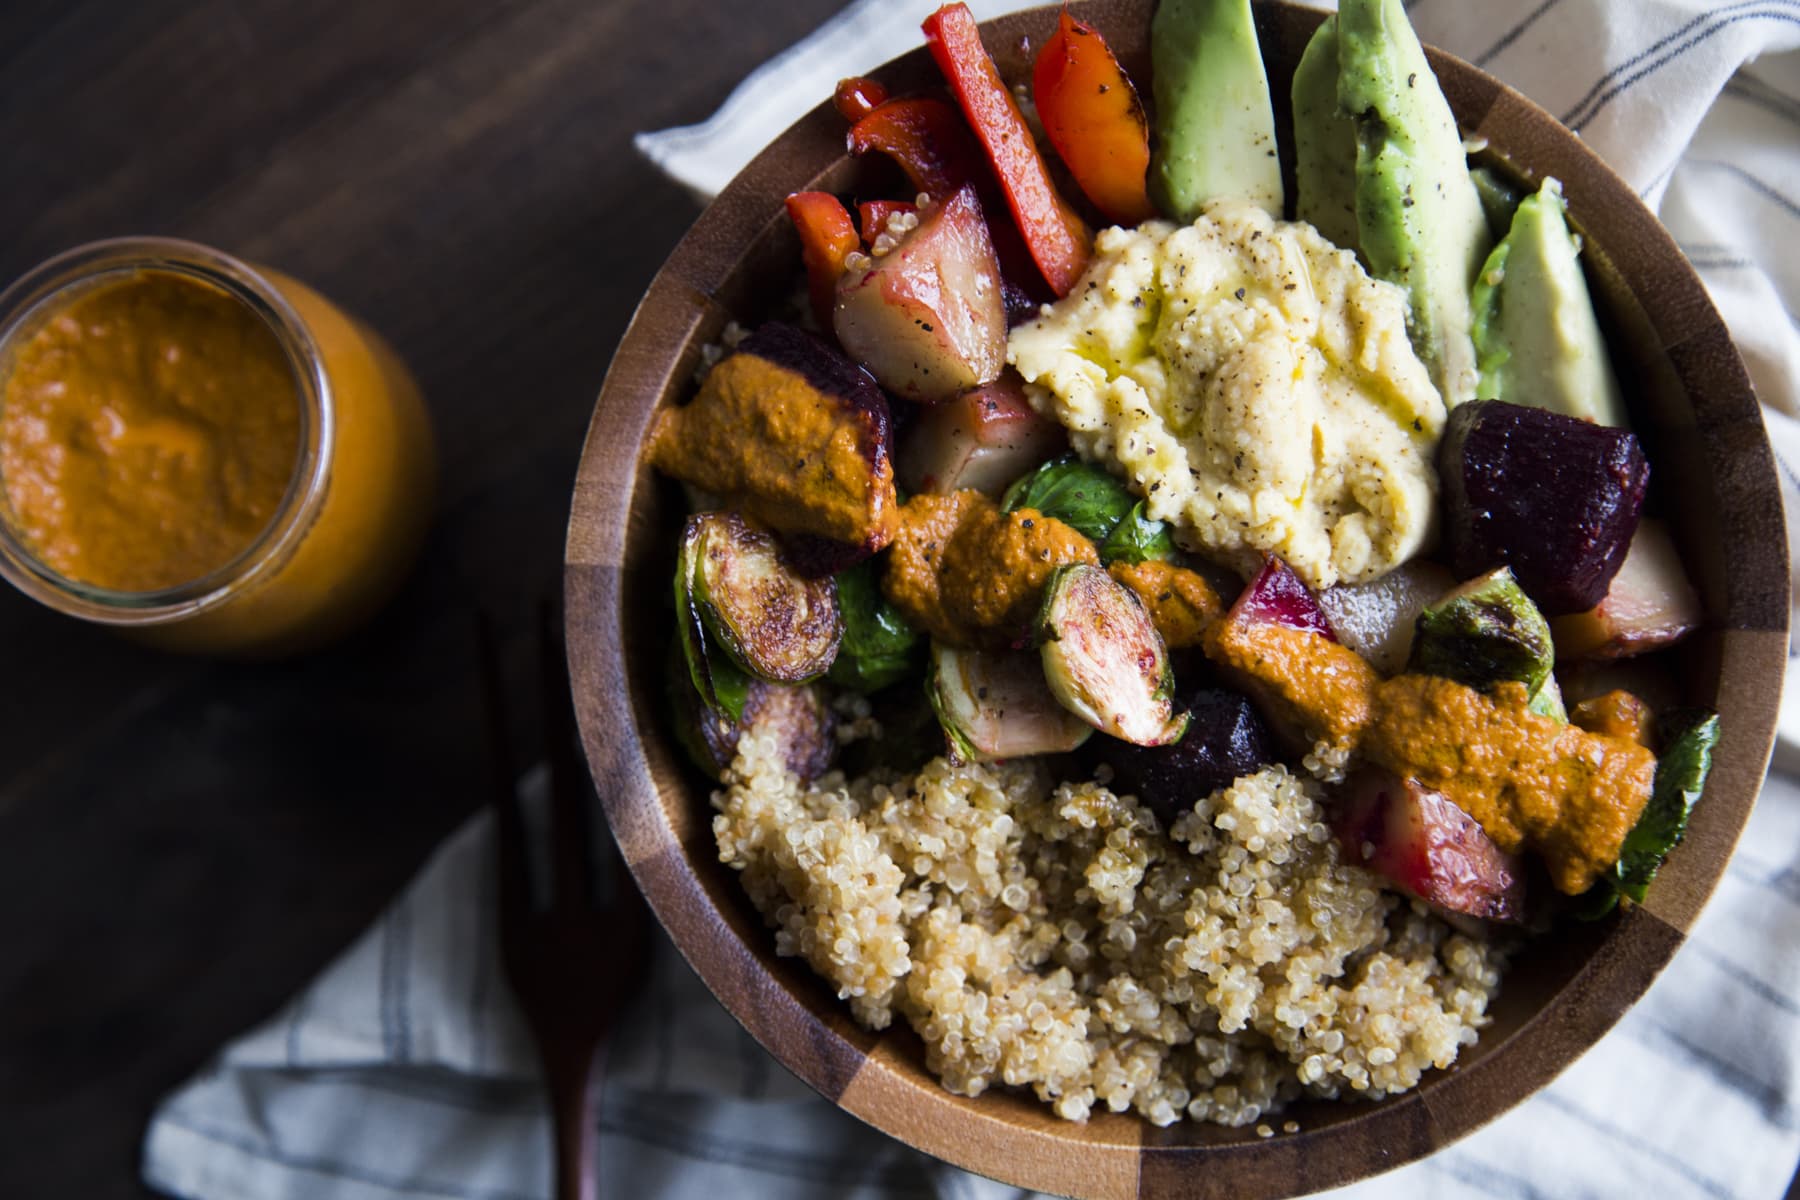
{"x":404,"y":1071}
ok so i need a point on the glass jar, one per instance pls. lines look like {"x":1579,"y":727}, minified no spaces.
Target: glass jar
{"x":356,"y":506}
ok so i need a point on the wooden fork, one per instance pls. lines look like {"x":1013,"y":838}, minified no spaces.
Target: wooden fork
{"x":572,"y":956}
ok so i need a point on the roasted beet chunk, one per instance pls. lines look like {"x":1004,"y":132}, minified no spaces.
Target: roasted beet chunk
{"x":1427,"y":847}
{"x":1555,"y":498}
{"x":790,"y":432}
{"x":1277,"y":596}
{"x":1225,"y":741}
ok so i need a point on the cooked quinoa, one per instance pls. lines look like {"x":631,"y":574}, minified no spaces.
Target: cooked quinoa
{"x":1055,"y":936}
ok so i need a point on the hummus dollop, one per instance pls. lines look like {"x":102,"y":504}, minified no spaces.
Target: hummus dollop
{"x":1253,"y":384}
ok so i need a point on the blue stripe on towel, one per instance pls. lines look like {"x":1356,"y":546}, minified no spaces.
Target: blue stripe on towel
{"x":1625,"y":1137}
{"x":1512,"y":35}
{"x":1763,"y":990}
{"x":1768,"y":1098}
{"x":338,"y":1170}
{"x":1482,"y":1177}
{"x":396,"y":938}
{"x":485,"y":903}
{"x":908,"y":1171}
{"x":489,"y":1097}
{"x":295,"y":1020}
{"x":1759,"y":186}
{"x":756,"y":1066}
{"x":1590,"y":105}
{"x":1761,"y":95}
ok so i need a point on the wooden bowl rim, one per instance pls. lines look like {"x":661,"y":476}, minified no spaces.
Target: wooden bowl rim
{"x":1015,"y":1139}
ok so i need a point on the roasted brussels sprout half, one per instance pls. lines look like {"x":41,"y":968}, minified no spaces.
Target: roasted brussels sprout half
{"x":774,"y":623}
{"x":1104,"y":659}
{"x":717,"y":680}
{"x":996,"y":705}
{"x":1484,"y":632}
{"x":798,"y":716}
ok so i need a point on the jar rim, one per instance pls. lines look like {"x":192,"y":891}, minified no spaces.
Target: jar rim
{"x":52,"y":284}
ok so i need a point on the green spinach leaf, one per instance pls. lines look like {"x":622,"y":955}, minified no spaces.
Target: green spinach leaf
{"x":1688,"y":741}
{"x":879,"y":645}
{"x":1088,"y":499}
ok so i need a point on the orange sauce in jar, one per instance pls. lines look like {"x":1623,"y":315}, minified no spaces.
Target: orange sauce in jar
{"x":148,"y":433}
{"x":209,"y":454}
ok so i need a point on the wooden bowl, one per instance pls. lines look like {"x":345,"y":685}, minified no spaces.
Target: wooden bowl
{"x":1691,"y":403}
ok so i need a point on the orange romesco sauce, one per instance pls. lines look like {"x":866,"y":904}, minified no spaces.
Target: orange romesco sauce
{"x":1181,"y":604}
{"x":1313,"y":682}
{"x":971,"y":575}
{"x":1571,"y":794}
{"x":760,"y":433}
{"x":153,"y":429}
{"x":148,"y":433}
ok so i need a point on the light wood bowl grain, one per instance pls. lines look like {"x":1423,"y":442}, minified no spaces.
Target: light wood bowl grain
{"x":1692,"y":404}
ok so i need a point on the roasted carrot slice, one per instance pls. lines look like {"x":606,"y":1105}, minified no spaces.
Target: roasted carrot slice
{"x":1058,"y":239}
{"x":1094,"y":119}
{"x":827,"y":235}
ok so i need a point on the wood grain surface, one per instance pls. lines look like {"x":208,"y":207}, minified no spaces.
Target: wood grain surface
{"x":183,"y":844}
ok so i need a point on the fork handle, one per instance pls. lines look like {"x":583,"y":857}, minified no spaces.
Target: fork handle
{"x":569,"y":1074}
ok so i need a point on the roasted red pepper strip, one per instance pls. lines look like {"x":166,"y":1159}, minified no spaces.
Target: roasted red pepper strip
{"x":1093,"y":117}
{"x":933,"y":145}
{"x":827,"y":235}
{"x":927,"y":139}
{"x":872,"y":215}
{"x":1059,"y":240}
{"x":857,"y":97}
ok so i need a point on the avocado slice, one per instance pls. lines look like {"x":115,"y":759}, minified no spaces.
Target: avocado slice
{"x":1500,"y":198}
{"x":1215,"y":129}
{"x":1324,"y":143}
{"x":1418,"y":216}
{"x":1537,"y":340}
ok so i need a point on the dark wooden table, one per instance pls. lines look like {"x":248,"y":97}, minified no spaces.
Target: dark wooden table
{"x":183,"y":843}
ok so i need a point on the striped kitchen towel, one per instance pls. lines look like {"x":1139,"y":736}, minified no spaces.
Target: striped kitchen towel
{"x":403,"y":1071}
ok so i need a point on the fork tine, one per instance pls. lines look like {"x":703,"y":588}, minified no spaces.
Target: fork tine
{"x":571,"y":827}
{"x":503,"y":796}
